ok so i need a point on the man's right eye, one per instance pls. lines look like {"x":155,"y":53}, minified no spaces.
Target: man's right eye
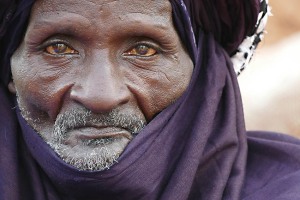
{"x":60,"y":49}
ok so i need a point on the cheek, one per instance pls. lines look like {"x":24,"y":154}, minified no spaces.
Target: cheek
{"x":160,"y":87}
{"x":39,"y":90}
{"x":171,"y":85}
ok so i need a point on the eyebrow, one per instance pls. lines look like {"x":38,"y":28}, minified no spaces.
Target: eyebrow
{"x":67,"y":23}
{"x":59,"y":22}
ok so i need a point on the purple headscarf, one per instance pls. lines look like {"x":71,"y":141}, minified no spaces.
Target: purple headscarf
{"x":229,"y":23}
{"x":194,"y":149}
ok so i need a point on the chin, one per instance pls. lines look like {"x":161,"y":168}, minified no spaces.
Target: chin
{"x":92,"y":155}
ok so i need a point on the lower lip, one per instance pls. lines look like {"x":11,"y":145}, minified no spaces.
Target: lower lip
{"x":91,"y":133}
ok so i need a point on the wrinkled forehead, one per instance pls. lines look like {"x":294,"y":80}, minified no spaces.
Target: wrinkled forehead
{"x":104,"y":8}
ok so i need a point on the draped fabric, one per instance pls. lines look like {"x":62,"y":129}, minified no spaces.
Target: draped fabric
{"x":194,"y":149}
{"x":228,"y":21}
{"x":12,"y":29}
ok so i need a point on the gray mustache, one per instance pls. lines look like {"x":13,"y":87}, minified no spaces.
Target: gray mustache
{"x":82,"y":117}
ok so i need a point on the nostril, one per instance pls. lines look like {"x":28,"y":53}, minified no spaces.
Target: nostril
{"x":102,"y":99}
{"x":101,"y":86}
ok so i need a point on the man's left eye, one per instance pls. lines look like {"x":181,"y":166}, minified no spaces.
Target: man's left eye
{"x":142,"y":50}
{"x":60,"y":49}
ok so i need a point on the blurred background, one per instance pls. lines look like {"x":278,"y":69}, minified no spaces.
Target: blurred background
{"x":270,"y":85}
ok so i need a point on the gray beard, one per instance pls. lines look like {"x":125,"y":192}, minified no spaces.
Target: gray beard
{"x":92,"y":160}
{"x":100,"y":157}
{"x":92,"y":154}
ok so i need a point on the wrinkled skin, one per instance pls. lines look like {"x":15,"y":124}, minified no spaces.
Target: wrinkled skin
{"x":100,"y":56}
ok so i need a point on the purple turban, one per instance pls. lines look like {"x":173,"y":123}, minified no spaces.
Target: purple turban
{"x":196,"y":148}
{"x":230,"y":23}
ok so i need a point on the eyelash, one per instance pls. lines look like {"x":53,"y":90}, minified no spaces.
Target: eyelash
{"x":148,"y":44}
{"x":55,"y":42}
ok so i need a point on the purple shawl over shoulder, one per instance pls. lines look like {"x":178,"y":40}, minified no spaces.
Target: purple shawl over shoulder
{"x":197,"y":148}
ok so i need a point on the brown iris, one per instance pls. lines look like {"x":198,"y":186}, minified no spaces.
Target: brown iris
{"x":141,"y":50}
{"x":60,"y":49}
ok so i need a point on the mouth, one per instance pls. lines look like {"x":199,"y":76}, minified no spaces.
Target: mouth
{"x":96,"y":136}
{"x":91,"y":147}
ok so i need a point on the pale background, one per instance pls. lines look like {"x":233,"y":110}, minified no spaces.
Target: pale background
{"x":270,"y":85}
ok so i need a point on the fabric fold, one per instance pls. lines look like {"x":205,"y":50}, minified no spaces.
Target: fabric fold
{"x":196,"y":148}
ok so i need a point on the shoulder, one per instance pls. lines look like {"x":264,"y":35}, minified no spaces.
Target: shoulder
{"x":273,"y":167}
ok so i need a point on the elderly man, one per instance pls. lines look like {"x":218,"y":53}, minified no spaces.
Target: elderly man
{"x":134,"y":99}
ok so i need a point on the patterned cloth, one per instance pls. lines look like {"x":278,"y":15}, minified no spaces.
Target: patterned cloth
{"x":246,"y":49}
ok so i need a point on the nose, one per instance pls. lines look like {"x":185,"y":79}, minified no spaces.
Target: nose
{"x":100,"y":88}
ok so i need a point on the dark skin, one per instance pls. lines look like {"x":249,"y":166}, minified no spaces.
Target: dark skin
{"x":122,"y":54}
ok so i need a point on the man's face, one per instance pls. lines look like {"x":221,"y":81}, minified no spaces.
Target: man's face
{"x":90,"y":74}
